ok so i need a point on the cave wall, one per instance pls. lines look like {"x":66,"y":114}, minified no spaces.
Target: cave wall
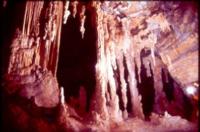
{"x":139,"y":47}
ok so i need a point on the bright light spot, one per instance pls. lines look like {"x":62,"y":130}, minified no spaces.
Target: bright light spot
{"x":190,"y":90}
{"x":62,"y":95}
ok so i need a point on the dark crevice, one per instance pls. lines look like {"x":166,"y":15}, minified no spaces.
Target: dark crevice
{"x":11,"y":20}
{"x":118,"y":86}
{"x":146,"y":88}
{"x":108,"y":94}
{"x":188,"y":107}
{"x":168,"y":86}
{"x":180,"y":103}
{"x":77,"y":58}
{"x":128,"y":92}
{"x":136,"y":75}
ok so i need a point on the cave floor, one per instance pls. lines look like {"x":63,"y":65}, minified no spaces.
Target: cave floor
{"x":157,"y":123}
{"x":162,"y":125}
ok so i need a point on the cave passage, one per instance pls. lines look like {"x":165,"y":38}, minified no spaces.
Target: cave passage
{"x":77,"y":58}
{"x":168,"y":86}
{"x":146,"y":87}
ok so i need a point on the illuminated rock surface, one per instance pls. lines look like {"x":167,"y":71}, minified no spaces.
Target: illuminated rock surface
{"x":120,"y":66}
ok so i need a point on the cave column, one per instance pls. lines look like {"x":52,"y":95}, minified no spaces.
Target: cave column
{"x":135,"y":97}
{"x":99,"y":101}
{"x":129,"y":59}
{"x":115,"y":112}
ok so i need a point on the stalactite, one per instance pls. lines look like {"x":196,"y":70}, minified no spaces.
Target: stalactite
{"x":53,"y":31}
{"x":27,"y":54}
{"x":31,"y":17}
{"x":54,"y":14}
{"x":111,"y":49}
{"x":122,"y":31}
{"x":57,"y":47}
{"x":82,"y":20}
{"x":62,"y":96}
{"x":35,"y":28}
{"x":106,"y":32}
{"x":66,"y":12}
{"x":138,"y":64}
{"x":24,"y":22}
{"x":74,"y":8}
{"x":49,"y":18}
{"x":153,"y":39}
{"x":126,"y":39}
{"x":126,"y":44}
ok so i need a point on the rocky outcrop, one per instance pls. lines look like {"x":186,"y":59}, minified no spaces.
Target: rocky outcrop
{"x":39,"y":86}
{"x":30,"y":72}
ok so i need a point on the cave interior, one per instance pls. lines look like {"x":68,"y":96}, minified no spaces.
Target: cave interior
{"x":99,"y":65}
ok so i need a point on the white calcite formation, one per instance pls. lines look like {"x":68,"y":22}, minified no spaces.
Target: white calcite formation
{"x":124,"y":30}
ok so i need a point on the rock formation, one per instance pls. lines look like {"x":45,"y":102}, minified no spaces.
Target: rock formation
{"x":133,"y":61}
